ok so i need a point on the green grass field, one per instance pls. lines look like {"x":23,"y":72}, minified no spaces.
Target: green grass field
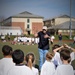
{"x":31,"y":48}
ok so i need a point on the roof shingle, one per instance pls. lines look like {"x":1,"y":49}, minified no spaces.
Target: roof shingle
{"x":65,"y":25}
{"x":27,"y":15}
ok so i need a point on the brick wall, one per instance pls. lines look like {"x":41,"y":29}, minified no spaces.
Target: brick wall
{"x":19,"y":24}
{"x":36,"y":27}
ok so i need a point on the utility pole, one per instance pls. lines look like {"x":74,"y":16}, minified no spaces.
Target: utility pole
{"x":70,"y":20}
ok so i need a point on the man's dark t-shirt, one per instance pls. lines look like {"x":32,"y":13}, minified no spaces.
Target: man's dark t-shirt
{"x":43,"y":42}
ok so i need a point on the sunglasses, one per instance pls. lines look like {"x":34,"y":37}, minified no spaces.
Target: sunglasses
{"x":44,"y":29}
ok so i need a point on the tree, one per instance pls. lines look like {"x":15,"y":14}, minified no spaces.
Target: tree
{"x":1,"y":20}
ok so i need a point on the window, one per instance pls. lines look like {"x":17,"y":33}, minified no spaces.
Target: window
{"x":28,"y":26}
{"x":28,"y":20}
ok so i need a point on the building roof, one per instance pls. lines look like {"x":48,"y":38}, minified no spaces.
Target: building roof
{"x":61,"y":16}
{"x":26,"y":14}
{"x":64,"y":26}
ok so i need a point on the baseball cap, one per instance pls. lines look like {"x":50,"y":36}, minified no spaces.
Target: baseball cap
{"x":44,"y":27}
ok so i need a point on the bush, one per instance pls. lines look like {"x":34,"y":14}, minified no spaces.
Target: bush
{"x":64,"y":37}
{"x":31,"y":35}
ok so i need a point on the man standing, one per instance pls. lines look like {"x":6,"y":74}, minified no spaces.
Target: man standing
{"x":60,"y":39}
{"x":43,"y":45}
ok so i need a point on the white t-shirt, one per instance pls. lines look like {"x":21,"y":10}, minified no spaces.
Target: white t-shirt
{"x":64,"y":70}
{"x":72,"y":56}
{"x":32,"y":39}
{"x":56,"y":59}
{"x":20,"y":70}
{"x":25,"y":39}
{"x":48,"y":68}
{"x":5,"y":65}
{"x":74,"y":72}
{"x":74,"y":38}
{"x":52,"y":38}
{"x":35,"y":71}
{"x":29,"y":39}
{"x":36,"y":40}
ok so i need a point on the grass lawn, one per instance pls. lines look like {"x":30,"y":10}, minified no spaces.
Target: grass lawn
{"x":31,"y":48}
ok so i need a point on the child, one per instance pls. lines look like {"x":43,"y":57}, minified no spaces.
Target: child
{"x":56,"y":59}
{"x":19,"y":68}
{"x":72,"y":54}
{"x":6,"y":62}
{"x":65,"y":68}
{"x":30,"y":59}
{"x":52,"y":39}
{"x":48,"y":67}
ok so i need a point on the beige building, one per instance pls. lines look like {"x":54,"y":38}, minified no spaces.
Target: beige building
{"x":28,"y":22}
{"x":60,"y":24}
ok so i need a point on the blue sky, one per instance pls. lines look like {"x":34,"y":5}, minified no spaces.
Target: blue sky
{"x":45,"y":8}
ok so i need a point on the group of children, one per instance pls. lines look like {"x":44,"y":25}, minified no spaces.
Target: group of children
{"x":57,"y":63}
{"x":25,"y":40}
{"x":13,"y":62}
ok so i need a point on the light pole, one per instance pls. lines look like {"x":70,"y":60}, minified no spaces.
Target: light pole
{"x":70,"y":20}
